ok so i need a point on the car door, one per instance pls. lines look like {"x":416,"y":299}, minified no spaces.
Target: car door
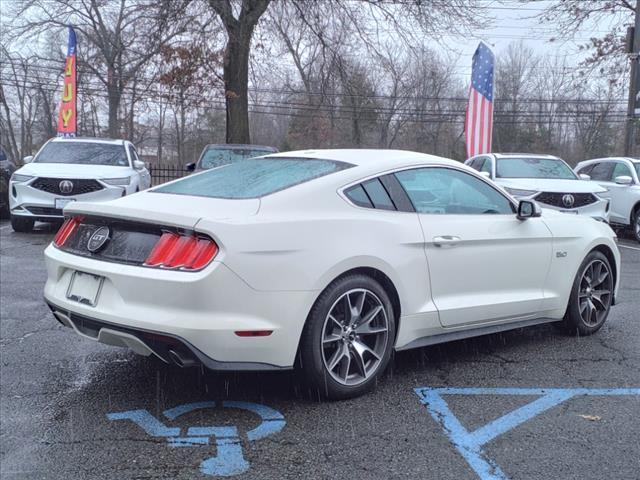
{"x":144,"y":178}
{"x":485,"y":264}
{"x":618,"y":194}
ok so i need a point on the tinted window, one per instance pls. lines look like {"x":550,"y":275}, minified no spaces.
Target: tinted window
{"x":133,"y":153}
{"x":448,"y":191}
{"x":602,"y":172}
{"x":486,"y":165}
{"x":83,"y":153}
{"x":621,"y":170}
{"x":252,"y":178}
{"x":476,"y":163}
{"x":358,"y":196}
{"x":587,"y":170}
{"x":216,"y":157}
{"x":378,"y":195}
{"x":532,"y":167}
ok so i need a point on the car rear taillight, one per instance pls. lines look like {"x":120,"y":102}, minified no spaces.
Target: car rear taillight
{"x":67,"y":228}
{"x":186,"y":252}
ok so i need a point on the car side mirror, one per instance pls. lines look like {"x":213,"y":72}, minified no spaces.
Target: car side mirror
{"x":28,"y":159}
{"x":528,"y":209}
{"x":485,"y":174}
{"x":138,"y":165}
{"x":584,"y":176}
{"x":624,"y":180}
{"x":190,"y":167}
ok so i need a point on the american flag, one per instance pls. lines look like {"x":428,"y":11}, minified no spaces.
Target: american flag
{"x":478,"y":123}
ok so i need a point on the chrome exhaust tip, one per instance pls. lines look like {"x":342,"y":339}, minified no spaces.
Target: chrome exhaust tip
{"x":180,"y":360}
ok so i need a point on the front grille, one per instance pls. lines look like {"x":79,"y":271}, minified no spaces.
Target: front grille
{"x":556,"y":199}
{"x":79,"y":185}
{"x":45,"y":211}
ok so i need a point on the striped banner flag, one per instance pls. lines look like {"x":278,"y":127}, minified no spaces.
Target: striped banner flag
{"x":478,"y":123}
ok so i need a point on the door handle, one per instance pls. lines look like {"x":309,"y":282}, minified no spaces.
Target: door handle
{"x":446,"y":241}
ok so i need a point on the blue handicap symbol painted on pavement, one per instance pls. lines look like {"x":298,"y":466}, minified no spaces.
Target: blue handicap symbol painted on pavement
{"x":229,"y":459}
{"x":470,"y":444}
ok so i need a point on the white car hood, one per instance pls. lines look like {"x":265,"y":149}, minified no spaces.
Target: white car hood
{"x":551,"y":185}
{"x":69,"y":170}
{"x":168,"y":209}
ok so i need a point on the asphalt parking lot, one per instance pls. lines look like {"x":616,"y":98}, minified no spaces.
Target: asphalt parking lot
{"x":527,"y":404}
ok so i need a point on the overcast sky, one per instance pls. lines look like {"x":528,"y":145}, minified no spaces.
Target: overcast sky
{"x":514,"y":21}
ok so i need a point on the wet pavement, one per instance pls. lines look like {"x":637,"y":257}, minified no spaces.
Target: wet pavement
{"x":73,"y":409}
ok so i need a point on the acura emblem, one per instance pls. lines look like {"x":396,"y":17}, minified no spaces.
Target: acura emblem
{"x":99,"y":239}
{"x":66,"y":186}
{"x":568,"y":200}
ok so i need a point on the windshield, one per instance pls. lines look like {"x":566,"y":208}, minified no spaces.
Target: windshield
{"x":216,"y":157}
{"x":84,"y":153}
{"x":637,"y":166}
{"x":531,"y":167}
{"x":253,"y":178}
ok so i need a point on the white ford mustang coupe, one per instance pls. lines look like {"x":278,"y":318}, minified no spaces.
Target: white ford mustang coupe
{"x":327,"y":260}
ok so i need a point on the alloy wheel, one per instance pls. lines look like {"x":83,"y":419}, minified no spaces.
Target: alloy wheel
{"x":637,"y":226}
{"x":354,"y":337}
{"x":594,"y":296}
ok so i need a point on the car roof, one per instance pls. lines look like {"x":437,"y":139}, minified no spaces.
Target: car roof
{"x":233,"y":146}
{"x":528,"y":155}
{"x":630,"y":159}
{"x":109,"y":141}
{"x":374,"y":160}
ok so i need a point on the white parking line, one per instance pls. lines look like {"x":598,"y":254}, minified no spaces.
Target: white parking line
{"x":4,"y":227}
{"x":627,"y":246}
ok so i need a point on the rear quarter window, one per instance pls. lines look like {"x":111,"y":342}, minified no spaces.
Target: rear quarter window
{"x":253,"y":178}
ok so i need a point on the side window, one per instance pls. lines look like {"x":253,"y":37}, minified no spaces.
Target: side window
{"x":358,"y":196}
{"x":477,"y":163}
{"x":587,"y":170}
{"x":438,"y":190}
{"x":378,"y":195}
{"x":486,"y":166}
{"x":133,"y":154}
{"x":602,"y":172}
{"x":619,"y":170}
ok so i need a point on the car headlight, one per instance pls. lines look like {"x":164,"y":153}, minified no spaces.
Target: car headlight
{"x":20,"y":178}
{"x":516,"y":192}
{"x":123,"y":181}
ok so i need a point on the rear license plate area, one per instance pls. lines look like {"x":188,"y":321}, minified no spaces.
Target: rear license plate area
{"x":85,"y":288}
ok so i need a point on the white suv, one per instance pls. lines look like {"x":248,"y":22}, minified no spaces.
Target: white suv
{"x":621,"y":177}
{"x":546,"y":179}
{"x":65,"y":170}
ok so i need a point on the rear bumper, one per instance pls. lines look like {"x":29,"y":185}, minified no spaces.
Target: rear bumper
{"x":202,"y":310}
{"x":168,"y":348}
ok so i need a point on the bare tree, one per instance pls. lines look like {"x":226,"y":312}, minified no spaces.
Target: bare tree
{"x":116,"y":39}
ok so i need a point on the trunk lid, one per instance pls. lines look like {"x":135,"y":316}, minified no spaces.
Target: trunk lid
{"x":167,"y":209}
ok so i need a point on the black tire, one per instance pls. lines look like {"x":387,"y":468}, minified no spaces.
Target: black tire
{"x":22,"y":224}
{"x":368,"y":365}
{"x":635,"y":223}
{"x":589,"y":307}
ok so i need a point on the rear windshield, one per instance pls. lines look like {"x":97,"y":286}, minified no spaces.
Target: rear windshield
{"x":216,"y":157}
{"x":253,"y":178}
{"x":531,"y":167}
{"x":84,"y":153}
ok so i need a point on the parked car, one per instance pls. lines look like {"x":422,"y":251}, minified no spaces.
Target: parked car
{"x":620,"y":176}
{"x":546,"y":179}
{"x":328,"y":260}
{"x":223,"y":154}
{"x":67,"y":170}
{"x":7,"y":167}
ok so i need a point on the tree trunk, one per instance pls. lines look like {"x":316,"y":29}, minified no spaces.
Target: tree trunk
{"x":114,"y":95}
{"x":236,"y":80}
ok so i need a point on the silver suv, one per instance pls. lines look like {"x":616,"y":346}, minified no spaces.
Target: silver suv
{"x":621,"y":177}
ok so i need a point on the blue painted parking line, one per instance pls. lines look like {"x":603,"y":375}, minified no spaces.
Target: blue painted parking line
{"x":469,"y":444}
{"x":229,"y":459}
